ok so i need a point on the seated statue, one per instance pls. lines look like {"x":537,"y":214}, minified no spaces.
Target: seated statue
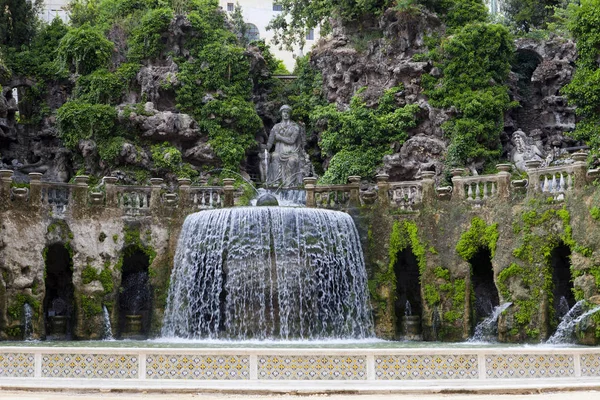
{"x":286,"y":164}
{"x":525,"y":151}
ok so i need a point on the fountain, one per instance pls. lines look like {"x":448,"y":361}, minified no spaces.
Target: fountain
{"x":411,"y":324}
{"x":27,"y":323}
{"x":566,"y":329}
{"x":107,"y":331}
{"x":268,"y":272}
{"x":487,"y":329}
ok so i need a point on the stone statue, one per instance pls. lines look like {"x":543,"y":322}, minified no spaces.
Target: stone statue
{"x":286,"y":167}
{"x":525,"y":150}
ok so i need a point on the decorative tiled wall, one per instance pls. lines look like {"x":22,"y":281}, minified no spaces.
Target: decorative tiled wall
{"x":312,"y":367}
{"x":17,"y":365}
{"x":418,"y":367}
{"x":167,"y":366}
{"x":590,"y":365}
{"x":298,"y":364}
{"x":90,"y":366}
{"x":531,"y":366}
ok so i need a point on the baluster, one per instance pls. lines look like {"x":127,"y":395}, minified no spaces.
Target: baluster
{"x":470,"y":192}
{"x":569,"y":182}
{"x":218,"y":200}
{"x":562,"y":187}
{"x":210,"y":199}
{"x":546,"y":187}
{"x":485,"y":190}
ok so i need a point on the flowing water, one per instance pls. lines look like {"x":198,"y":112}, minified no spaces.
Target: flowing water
{"x":487,"y":330}
{"x":107,"y":334}
{"x":27,"y":322}
{"x":268,"y":272}
{"x":566,"y":329}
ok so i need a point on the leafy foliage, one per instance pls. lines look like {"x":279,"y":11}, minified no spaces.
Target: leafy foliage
{"x":359,"y":137}
{"x":584,"y":90}
{"x":526,"y":15}
{"x":18,"y":22}
{"x":84,"y":50}
{"x":79,"y":120}
{"x":475,"y":62}
{"x":145,"y":41}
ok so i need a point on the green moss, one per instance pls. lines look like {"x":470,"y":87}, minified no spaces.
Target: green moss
{"x":106,"y":279}
{"x":431,"y":294}
{"x":595,"y":213}
{"x":479,"y":235}
{"x":15,"y":310}
{"x":89,"y":274}
{"x":115,"y":238}
{"x":91,"y":306}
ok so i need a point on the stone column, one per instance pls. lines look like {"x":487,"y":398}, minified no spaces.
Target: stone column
{"x":579,"y":169}
{"x":155,"y":201}
{"x":184,"y":192}
{"x":310,"y":184}
{"x":383,"y":188}
{"x":112,"y":201}
{"x":5,"y":181}
{"x":428,"y":186}
{"x":458,"y":190}
{"x":533,"y":173}
{"x":228,"y":188}
{"x":504,"y":180}
{"x":35,"y":189}
{"x":354,"y":190}
{"x":80,"y":191}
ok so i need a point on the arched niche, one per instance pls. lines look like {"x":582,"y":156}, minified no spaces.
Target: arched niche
{"x":562,"y":283}
{"x":58,"y":301}
{"x":408,"y":306}
{"x":482,"y":281}
{"x":135,"y":294}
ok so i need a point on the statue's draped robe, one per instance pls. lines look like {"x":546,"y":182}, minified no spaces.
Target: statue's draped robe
{"x":284,"y":167}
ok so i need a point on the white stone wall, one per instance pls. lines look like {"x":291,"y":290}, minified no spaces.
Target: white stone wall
{"x":54,"y":8}
{"x":260,"y":13}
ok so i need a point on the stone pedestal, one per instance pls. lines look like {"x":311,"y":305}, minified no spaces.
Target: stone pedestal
{"x":229,"y":189}
{"x":309,"y":186}
{"x":411,"y":327}
{"x":383,"y":188}
{"x":354,"y":190}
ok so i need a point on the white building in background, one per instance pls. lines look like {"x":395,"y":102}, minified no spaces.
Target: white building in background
{"x":495,"y":6}
{"x":53,"y":9}
{"x":257,"y":14}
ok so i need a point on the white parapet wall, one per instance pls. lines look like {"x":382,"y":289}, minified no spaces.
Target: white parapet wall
{"x":53,"y":364}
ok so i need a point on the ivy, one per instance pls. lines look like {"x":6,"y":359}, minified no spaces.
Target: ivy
{"x":79,"y":120}
{"x":475,"y":62}
{"x":145,"y":41}
{"x":84,"y":50}
{"x":358,"y":138}
{"x":479,"y":235}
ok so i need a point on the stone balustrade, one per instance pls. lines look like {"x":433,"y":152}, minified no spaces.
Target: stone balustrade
{"x":205,"y":197}
{"x":556,"y":181}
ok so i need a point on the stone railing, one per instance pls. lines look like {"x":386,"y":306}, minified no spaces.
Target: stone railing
{"x":478,"y":189}
{"x":129,"y":367}
{"x":557,"y":182}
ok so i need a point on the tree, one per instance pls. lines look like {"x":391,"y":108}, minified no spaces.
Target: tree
{"x":525,"y":15}
{"x":18,"y":21}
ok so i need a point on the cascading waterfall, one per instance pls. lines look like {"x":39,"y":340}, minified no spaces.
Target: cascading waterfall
{"x":107,"y":334}
{"x":27,"y":322}
{"x":487,"y":329}
{"x":566,"y":328}
{"x":268,"y":272}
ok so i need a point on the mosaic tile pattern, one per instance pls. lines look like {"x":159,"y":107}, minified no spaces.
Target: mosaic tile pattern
{"x":90,"y":366}
{"x":17,"y":365}
{"x":312,"y":367}
{"x":590,"y":365}
{"x":417,"y":367}
{"x":166,"y":366}
{"x":512,"y":366}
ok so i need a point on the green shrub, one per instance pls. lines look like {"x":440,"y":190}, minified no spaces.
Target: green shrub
{"x":84,"y":50}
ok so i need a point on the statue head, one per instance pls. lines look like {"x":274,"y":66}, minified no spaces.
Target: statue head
{"x":519,"y":139}
{"x":285,"y":111}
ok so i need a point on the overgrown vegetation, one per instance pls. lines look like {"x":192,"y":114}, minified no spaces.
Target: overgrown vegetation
{"x":584,"y":90}
{"x":358,"y":138}
{"x":475,"y":63}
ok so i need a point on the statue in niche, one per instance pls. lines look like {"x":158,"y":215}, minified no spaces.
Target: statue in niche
{"x":525,"y":150}
{"x":286,"y":165}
